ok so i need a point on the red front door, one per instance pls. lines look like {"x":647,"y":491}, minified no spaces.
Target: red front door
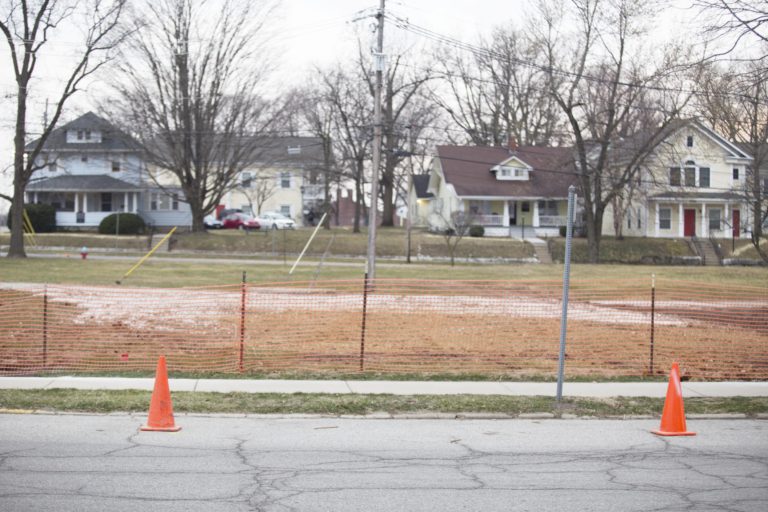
{"x":736,"y":223}
{"x":689,"y":223}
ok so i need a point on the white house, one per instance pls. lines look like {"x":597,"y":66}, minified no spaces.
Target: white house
{"x":286,"y":177}
{"x":691,"y":185}
{"x":90,"y":169}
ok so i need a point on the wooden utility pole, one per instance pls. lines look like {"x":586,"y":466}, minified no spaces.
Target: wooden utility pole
{"x":372,"y":211}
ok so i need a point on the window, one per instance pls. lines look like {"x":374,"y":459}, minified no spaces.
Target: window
{"x":714,"y":219}
{"x":525,"y":206}
{"x":665,"y":218}
{"x":245,"y":180}
{"x":735,"y":173}
{"x":159,"y":201}
{"x":115,"y":166}
{"x":79,"y":134}
{"x":548,"y":208}
{"x":285,"y":180}
{"x":84,"y":158}
{"x":690,"y":176}
{"x":704,"y":177}
{"x":629,"y":219}
{"x":638,"y":218}
{"x":505,"y":172}
{"x":87,"y":134}
{"x":285,"y":209}
{"x":519,"y":173}
{"x":689,"y":141}
{"x":175,"y":202}
{"x":674,"y":176}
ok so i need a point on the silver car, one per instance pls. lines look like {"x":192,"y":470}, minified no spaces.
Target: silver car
{"x":275,"y":220}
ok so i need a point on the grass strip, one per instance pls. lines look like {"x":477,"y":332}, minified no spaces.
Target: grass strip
{"x":106,"y":401}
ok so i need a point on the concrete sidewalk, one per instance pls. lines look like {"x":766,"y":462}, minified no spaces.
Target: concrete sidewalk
{"x":582,"y":389}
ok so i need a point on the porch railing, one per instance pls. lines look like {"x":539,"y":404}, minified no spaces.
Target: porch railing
{"x":552,"y":220}
{"x":487,"y":220}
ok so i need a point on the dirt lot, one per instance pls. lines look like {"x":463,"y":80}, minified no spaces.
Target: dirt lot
{"x":496,"y":328}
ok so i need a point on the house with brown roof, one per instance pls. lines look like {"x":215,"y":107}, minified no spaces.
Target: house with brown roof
{"x":501,"y":187}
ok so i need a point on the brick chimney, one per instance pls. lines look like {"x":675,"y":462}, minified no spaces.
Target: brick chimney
{"x":512,"y":144}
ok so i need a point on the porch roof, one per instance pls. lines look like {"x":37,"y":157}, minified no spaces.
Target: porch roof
{"x":83,"y":183}
{"x":698,"y":196}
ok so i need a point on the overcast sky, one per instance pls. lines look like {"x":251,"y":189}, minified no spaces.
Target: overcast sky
{"x":307,"y":33}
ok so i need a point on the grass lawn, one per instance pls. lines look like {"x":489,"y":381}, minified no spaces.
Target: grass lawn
{"x":278,"y":403}
{"x":159,"y":272}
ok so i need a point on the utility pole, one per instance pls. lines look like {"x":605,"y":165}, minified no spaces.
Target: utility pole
{"x":372,"y":220}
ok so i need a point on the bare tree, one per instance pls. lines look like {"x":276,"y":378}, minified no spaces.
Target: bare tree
{"x":456,"y":227}
{"x":27,"y":27}
{"x":735,"y":102}
{"x":257,"y":189}
{"x":735,"y":21}
{"x":188,"y":92}
{"x":601,"y":79}
{"x":402,"y":105}
{"x":498,"y":91}
{"x":351,"y":106}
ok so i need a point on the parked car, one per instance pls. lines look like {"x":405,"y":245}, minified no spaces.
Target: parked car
{"x":211,"y":222}
{"x":275,"y":220}
{"x":240,"y":221}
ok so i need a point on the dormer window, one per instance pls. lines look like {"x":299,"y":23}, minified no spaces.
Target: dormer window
{"x":512,"y":169}
{"x":689,"y":141}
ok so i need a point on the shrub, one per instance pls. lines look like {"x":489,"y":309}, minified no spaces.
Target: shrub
{"x":476,"y":231}
{"x":42,"y":216}
{"x":130,"y":224}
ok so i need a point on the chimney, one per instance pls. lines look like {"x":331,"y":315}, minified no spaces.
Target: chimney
{"x":512,"y":144}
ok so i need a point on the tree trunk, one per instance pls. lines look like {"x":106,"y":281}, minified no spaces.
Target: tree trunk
{"x":594,"y":234}
{"x":16,"y":248}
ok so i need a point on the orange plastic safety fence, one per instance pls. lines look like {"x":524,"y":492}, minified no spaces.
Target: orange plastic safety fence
{"x":508,"y":328}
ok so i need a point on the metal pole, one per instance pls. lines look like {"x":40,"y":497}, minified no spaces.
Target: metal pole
{"x":566,"y":285}
{"x":362,"y":330}
{"x":409,"y":218}
{"x":653,"y":319}
{"x":45,"y":326}
{"x":372,"y":221}
{"x":243,"y":290}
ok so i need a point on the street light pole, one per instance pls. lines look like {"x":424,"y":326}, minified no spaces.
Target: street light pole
{"x":372,"y":217}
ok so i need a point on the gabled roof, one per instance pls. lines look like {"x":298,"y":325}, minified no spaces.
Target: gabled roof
{"x":301,"y":151}
{"x":112,"y":139}
{"x":80,"y":183}
{"x":468,"y":169}
{"x":420,"y":184}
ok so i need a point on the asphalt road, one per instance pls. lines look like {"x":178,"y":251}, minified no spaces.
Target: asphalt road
{"x":97,"y":463}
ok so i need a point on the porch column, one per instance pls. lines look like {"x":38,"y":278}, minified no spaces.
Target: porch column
{"x":680,"y":225}
{"x":85,"y":201}
{"x":727,"y":216}
{"x":135,"y":204}
{"x":656,"y":221}
{"x":77,"y":202}
{"x":535,"y":214}
{"x":704,"y":226}
{"x":34,"y":198}
{"x":505,"y":220}
{"x":126,"y":203}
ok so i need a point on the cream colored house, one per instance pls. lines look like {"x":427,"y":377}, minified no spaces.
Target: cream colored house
{"x":286,"y":178}
{"x":692,"y":185}
{"x":504,"y":189}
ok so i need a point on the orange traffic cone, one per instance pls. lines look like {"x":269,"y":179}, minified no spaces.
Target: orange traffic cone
{"x":673,"y":417}
{"x":160,"y":407}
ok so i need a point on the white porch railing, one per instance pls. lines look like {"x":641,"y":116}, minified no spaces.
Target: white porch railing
{"x":552,"y":220}
{"x":487,"y":220}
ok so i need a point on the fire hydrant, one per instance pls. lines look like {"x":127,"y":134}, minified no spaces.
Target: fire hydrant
{"x":84,"y":252}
